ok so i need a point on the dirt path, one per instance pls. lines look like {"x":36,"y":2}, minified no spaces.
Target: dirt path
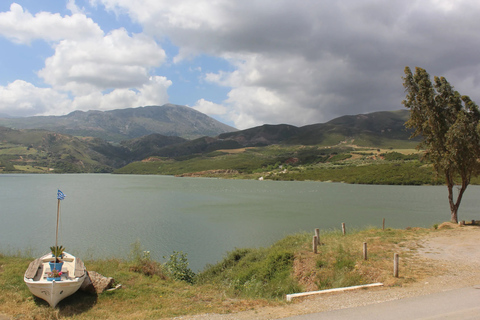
{"x":452,"y":260}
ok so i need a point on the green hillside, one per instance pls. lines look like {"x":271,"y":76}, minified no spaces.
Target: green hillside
{"x":44,"y":151}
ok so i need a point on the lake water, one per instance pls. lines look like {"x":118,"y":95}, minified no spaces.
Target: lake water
{"x":103,"y":214}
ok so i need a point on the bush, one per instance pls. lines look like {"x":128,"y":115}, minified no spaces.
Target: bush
{"x":177,"y":267}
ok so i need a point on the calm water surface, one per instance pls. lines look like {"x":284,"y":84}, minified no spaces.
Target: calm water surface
{"x":104,"y":214}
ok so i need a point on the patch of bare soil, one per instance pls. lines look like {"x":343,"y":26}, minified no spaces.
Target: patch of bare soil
{"x":301,"y":268}
{"x":450,"y":258}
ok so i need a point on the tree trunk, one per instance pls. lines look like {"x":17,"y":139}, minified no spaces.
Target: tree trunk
{"x":455,"y":205}
{"x":454,"y":216}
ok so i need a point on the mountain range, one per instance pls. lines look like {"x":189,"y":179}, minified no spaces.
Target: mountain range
{"x":123,"y":124}
{"x":72,"y":143}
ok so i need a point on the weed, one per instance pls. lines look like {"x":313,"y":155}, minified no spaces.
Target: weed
{"x":142,"y":262}
{"x":177,"y":267}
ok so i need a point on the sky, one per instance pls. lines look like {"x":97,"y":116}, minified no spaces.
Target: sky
{"x":244,"y":63}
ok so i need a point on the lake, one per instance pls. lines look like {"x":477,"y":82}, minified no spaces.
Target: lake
{"x":103,"y":214}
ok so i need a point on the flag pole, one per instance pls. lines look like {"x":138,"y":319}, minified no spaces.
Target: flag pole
{"x":60,"y":196}
{"x":56,"y":233}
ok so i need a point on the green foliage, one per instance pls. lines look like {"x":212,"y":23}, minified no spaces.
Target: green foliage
{"x":340,"y":157}
{"x":408,"y":173}
{"x":264,"y":272}
{"x":397,"y":156}
{"x":177,"y":267}
{"x":57,"y":251}
{"x":449,"y":125}
{"x":7,"y":165}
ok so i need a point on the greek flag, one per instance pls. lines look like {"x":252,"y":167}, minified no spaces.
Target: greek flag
{"x":60,"y":195}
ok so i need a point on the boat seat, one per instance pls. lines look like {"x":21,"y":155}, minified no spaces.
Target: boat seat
{"x":67,"y":259}
{"x":33,"y":268}
{"x":49,"y":258}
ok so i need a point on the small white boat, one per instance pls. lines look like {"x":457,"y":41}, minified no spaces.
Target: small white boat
{"x":37,"y":279}
{"x":55,"y":287}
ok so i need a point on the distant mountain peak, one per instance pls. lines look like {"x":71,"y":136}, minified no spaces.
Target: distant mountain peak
{"x":129,"y":123}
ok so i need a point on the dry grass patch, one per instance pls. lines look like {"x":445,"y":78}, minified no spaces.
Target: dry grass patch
{"x":340,"y":262}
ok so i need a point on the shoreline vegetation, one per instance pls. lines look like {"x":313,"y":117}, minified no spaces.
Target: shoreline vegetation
{"x":246,"y":279}
{"x":345,"y":164}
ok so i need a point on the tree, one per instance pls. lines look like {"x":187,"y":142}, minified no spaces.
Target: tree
{"x":449,"y":126}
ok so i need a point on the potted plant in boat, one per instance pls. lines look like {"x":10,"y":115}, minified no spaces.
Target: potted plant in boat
{"x":57,"y":253}
{"x":54,"y":275}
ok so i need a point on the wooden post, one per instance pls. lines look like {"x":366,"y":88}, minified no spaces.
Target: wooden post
{"x":395,"y":265}
{"x":343,"y":228}
{"x":314,"y":244}
{"x":383,"y":227}
{"x":317,"y":234}
{"x":364,"y":251}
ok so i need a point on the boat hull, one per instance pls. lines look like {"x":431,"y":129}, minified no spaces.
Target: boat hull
{"x":37,"y":278}
{"x":54,"y":291}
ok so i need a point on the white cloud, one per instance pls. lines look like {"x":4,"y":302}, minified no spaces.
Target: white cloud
{"x":74,"y":8}
{"x":209,"y":107}
{"x":89,"y":70}
{"x":116,"y":60}
{"x":21,"y":26}
{"x":154,"y":92}
{"x":21,"y":98}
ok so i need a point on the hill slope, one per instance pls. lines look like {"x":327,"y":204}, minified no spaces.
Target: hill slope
{"x":44,"y":151}
{"x":379,"y":129}
{"x":124,"y":124}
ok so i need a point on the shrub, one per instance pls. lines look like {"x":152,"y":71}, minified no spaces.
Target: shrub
{"x":177,"y":267}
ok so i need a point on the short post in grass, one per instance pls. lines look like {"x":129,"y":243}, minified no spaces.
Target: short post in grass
{"x":317,"y":234}
{"x":395,"y":265}
{"x":343,"y":228}
{"x":315,"y":244}
{"x":364,"y":251}
{"x":383,"y":227}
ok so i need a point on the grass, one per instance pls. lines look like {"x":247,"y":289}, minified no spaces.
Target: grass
{"x":245,"y":279}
